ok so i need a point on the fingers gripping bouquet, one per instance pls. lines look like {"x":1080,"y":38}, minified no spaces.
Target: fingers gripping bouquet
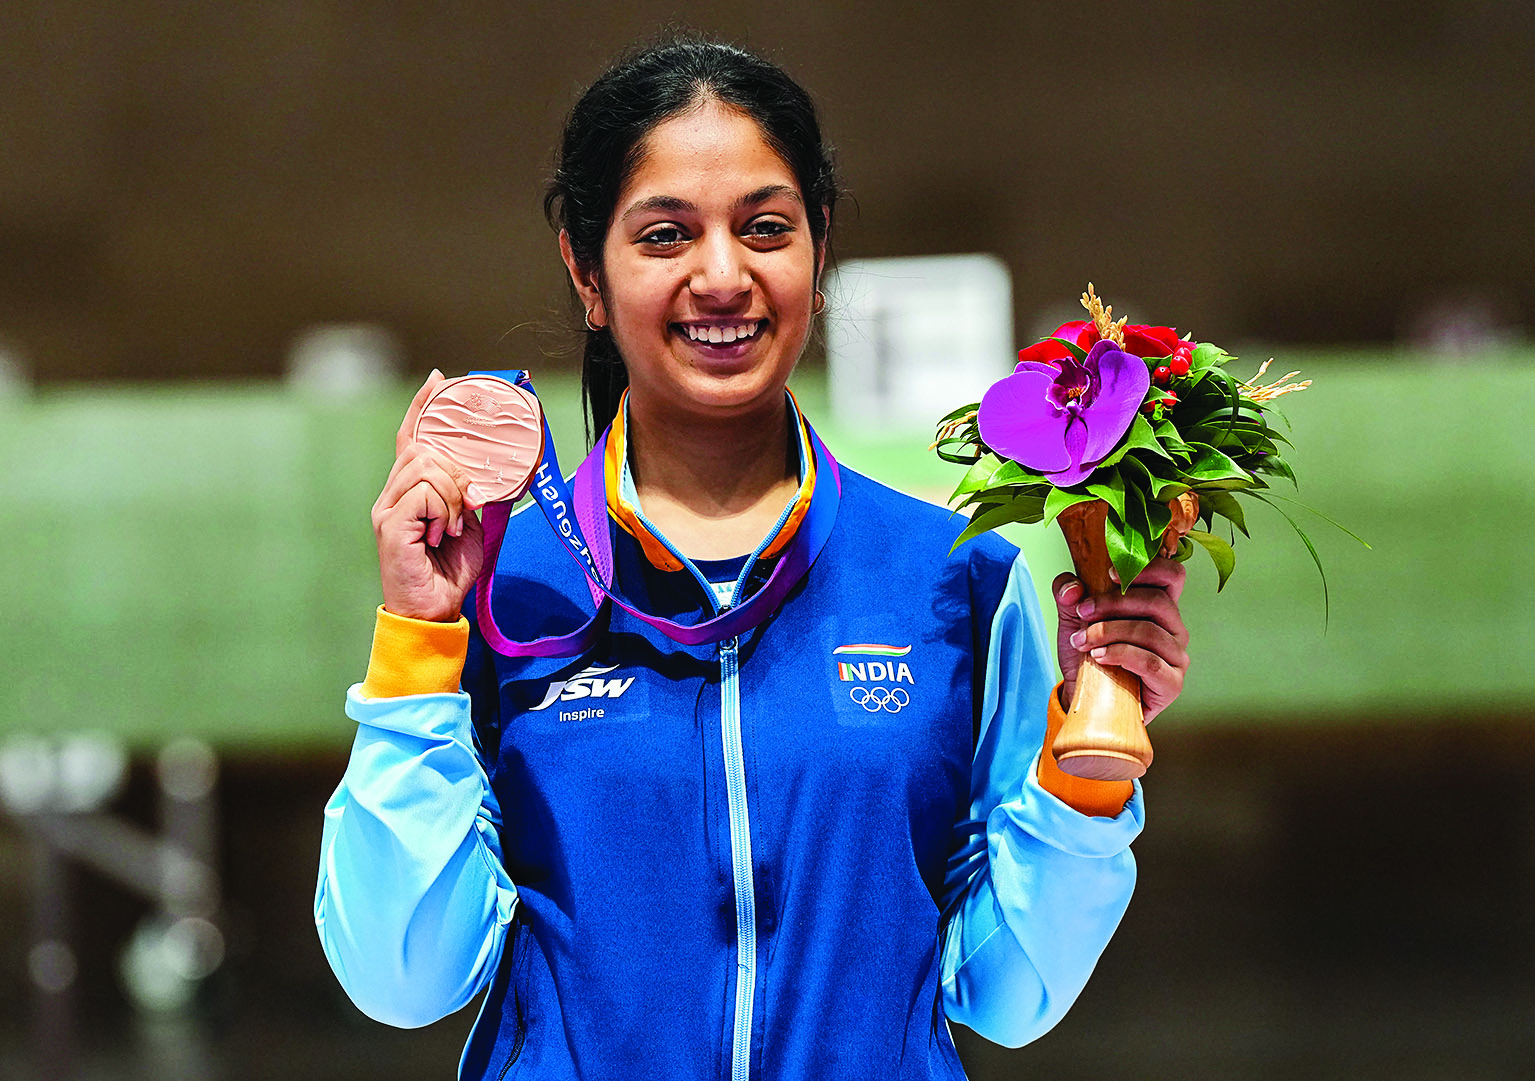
{"x":1130,"y":437}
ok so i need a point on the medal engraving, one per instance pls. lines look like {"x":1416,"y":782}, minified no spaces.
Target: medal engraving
{"x":489,"y":429}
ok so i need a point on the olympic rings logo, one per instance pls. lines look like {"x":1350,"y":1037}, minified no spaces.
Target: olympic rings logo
{"x":874,"y":699}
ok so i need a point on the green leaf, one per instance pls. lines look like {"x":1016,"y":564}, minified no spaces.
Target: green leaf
{"x":1075,"y":349}
{"x":1110,"y":489}
{"x":1276,"y":465}
{"x":1249,"y":435}
{"x":1163,"y":490}
{"x":998,"y":496}
{"x":1210,"y":465}
{"x":1208,"y":356}
{"x":1059,"y":499}
{"x":1224,"y":412}
{"x":1234,"y":442}
{"x":1225,"y":504}
{"x":958,"y":451}
{"x":1137,"y":474}
{"x":1015,"y":473}
{"x":1130,"y":543}
{"x":1146,"y":477}
{"x":1169,"y":436}
{"x":1026,"y":510}
{"x":1301,"y":533}
{"x":1234,"y":392}
{"x":1221,"y":555}
{"x":978,"y":477}
{"x":1158,"y":517}
{"x":1140,"y":436}
{"x":1305,"y":507}
{"x":961,"y":411}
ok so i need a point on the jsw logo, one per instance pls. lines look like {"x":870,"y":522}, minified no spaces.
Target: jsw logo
{"x":585,"y":684}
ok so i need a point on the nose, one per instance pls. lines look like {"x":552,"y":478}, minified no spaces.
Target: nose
{"x":721,"y":272}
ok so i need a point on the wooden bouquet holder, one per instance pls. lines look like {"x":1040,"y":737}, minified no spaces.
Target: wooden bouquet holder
{"x":1104,"y":735}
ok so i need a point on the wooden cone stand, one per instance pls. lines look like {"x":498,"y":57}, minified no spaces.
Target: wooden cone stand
{"x":1104,"y":735}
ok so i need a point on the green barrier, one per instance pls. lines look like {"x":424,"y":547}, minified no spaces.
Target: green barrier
{"x":197,"y":560}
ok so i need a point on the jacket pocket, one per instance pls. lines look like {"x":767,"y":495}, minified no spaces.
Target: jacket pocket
{"x":517,"y":992}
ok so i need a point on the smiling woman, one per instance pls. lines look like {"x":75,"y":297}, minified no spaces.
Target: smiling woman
{"x":705,"y":285}
{"x":761,"y":853}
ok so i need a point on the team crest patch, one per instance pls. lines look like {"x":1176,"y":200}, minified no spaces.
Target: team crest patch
{"x":885,"y":670}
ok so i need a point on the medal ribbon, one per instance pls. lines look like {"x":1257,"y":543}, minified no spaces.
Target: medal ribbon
{"x":581,"y":512}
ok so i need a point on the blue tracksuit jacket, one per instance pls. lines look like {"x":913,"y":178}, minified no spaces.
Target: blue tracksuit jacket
{"x":786,"y":856}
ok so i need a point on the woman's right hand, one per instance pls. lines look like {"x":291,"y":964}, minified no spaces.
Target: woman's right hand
{"x":429,"y":538}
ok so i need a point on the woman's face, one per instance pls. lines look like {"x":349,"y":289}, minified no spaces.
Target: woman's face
{"x":708,"y":270}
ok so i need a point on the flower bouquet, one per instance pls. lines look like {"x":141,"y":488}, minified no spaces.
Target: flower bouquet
{"x":1130,"y":437}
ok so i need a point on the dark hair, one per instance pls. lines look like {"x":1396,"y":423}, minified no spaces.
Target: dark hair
{"x":602,"y":142}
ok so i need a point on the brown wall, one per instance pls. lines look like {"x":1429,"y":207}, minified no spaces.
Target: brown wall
{"x":184,"y":185}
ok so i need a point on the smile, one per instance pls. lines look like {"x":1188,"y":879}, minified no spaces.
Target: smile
{"x":722,"y":334}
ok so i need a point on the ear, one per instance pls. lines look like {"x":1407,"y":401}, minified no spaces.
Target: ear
{"x":586,"y":283}
{"x":820,"y":252}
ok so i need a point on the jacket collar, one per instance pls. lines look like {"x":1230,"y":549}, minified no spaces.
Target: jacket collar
{"x":624,"y":502}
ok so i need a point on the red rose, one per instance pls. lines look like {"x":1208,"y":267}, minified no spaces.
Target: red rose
{"x":1140,"y":341}
{"x":1147,"y":342}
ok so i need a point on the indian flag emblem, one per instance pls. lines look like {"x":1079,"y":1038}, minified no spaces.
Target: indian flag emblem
{"x":874,"y":649}
{"x":872,"y":671}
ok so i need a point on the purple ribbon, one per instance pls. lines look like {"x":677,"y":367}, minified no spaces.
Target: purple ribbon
{"x":581,"y":512}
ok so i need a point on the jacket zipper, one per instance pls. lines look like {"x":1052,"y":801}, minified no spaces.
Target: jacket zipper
{"x":741,"y":860}
{"x":735,"y":789}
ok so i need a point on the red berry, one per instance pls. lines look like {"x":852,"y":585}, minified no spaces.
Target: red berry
{"x":1149,"y":408}
{"x":1185,"y":349}
{"x":1179,"y":365}
{"x":1162,"y":375}
{"x":1170,"y":401}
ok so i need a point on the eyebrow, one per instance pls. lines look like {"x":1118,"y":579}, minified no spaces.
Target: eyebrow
{"x":673,"y":205}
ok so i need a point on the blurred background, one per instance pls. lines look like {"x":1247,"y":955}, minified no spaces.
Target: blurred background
{"x":235,"y":236}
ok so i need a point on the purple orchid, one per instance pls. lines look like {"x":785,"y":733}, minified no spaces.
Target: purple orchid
{"x":1062,"y":418}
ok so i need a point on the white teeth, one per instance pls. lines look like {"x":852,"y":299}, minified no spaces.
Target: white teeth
{"x":721,"y":335}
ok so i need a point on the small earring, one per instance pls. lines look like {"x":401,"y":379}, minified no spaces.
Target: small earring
{"x":589,"y":326}
{"x":820,"y":303}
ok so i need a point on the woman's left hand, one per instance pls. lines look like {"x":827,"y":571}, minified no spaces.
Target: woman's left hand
{"x":1140,"y":631}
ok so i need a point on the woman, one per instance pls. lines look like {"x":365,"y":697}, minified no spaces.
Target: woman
{"x":789,"y":851}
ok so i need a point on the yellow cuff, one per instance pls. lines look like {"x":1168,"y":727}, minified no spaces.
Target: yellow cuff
{"x":415,"y":656}
{"x":1103,"y":799}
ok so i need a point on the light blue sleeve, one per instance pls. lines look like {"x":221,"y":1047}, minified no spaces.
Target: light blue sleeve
{"x":1037,"y":888}
{"x":412,"y":903}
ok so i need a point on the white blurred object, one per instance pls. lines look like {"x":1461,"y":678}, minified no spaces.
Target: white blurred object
{"x":165,"y":962}
{"x":345,"y":360}
{"x":908,"y":340}
{"x":1464,"y":323}
{"x":92,"y":767}
{"x":188,"y":769}
{"x":74,"y":774}
{"x":28,"y":771}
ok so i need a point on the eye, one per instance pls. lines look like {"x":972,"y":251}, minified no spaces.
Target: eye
{"x":768,"y":228}
{"x":663,"y":236}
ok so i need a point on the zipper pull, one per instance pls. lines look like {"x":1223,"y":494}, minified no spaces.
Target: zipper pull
{"x":728,"y":647}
